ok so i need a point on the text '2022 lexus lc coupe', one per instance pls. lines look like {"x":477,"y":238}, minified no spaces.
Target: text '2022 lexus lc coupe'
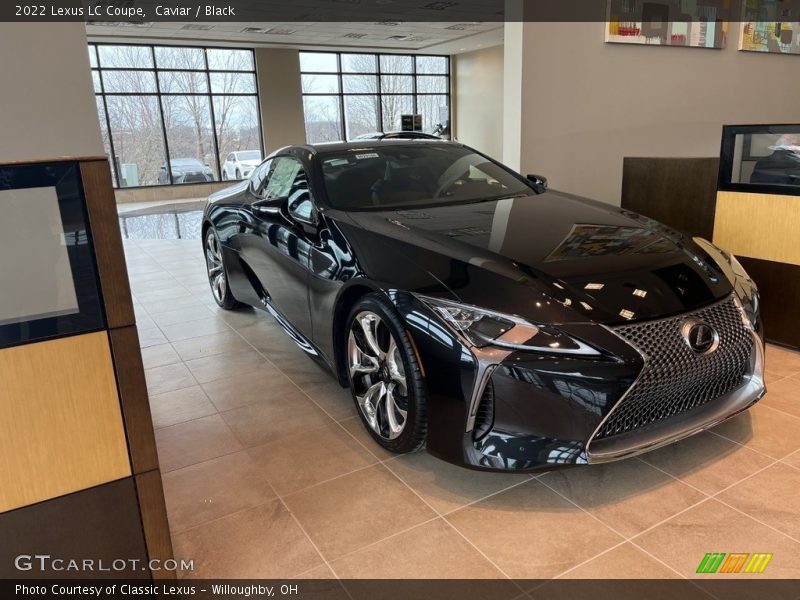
{"x":471,"y":310}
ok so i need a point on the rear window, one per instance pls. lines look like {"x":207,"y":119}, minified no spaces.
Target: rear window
{"x":398,"y":176}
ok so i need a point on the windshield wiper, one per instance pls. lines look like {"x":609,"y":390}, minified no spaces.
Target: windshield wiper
{"x":508,"y":197}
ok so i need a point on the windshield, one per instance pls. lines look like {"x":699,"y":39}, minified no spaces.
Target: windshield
{"x":399,"y":176}
{"x":185,"y":162}
{"x":250,"y":155}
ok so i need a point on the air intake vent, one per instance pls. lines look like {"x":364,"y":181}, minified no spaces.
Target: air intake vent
{"x":439,"y":5}
{"x":462,"y":26}
{"x":198,"y":27}
{"x":484,"y":417}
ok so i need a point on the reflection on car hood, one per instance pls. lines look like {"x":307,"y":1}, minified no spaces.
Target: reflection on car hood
{"x":555,"y":256}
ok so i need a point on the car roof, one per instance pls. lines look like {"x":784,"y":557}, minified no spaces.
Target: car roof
{"x":363,"y":145}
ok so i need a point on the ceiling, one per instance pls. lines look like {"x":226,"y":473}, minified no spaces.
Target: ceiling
{"x":392,"y":36}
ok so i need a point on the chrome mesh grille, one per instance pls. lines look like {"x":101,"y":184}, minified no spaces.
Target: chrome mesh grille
{"x":675,"y":379}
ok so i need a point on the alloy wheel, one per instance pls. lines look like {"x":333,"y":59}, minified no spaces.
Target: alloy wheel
{"x":378,"y":375}
{"x":216,"y":271}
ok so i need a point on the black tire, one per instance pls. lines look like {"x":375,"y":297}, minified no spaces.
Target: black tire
{"x":238,"y":174}
{"x":218,"y":272}
{"x":224,"y":175}
{"x":412,"y":436}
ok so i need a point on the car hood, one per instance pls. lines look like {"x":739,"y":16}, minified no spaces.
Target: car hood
{"x":551,"y":257}
{"x":250,"y":163}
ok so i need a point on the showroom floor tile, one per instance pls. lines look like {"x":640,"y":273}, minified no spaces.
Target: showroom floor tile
{"x":269,"y":472}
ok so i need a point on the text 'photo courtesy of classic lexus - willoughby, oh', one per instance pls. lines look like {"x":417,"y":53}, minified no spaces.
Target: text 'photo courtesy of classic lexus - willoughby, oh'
{"x":471,"y":310}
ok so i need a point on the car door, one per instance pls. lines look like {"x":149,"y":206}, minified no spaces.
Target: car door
{"x":277,"y":246}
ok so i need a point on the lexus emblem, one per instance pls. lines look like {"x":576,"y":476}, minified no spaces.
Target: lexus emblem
{"x":700,"y":337}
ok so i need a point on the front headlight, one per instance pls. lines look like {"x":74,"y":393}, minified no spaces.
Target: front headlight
{"x":480,"y":327}
{"x":724,"y":260}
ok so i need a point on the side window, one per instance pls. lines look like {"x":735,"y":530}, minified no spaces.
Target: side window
{"x":300,"y":204}
{"x":282,"y":177}
{"x":259,"y":176}
{"x":230,"y":158}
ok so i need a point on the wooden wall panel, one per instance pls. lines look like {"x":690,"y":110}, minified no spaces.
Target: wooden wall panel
{"x":103,"y":220}
{"x":679,"y":192}
{"x":763,"y":226}
{"x":101,"y":523}
{"x":133,"y":394}
{"x":779,"y":286}
{"x":154,"y":520}
{"x":61,"y":428}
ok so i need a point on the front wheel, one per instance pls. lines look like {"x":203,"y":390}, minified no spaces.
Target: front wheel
{"x":385,"y":376}
{"x":217,"y":273}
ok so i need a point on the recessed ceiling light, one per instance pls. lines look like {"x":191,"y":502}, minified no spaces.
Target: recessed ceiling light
{"x":439,"y":5}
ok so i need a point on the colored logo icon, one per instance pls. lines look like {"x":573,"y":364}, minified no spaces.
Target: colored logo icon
{"x":719,"y":562}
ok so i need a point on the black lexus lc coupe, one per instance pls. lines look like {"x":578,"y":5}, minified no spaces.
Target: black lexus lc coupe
{"x":469,"y":309}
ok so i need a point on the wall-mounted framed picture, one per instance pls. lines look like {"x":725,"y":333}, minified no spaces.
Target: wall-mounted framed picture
{"x":770,"y":26}
{"x":697,"y":24}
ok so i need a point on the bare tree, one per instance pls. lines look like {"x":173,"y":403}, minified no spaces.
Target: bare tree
{"x":135,"y":115}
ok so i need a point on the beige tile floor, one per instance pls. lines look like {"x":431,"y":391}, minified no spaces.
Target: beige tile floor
{"x":268,"y":472}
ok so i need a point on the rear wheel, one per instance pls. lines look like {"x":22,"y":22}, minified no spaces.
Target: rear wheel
{"x":385,"y":376}
{"x":217,"y":273}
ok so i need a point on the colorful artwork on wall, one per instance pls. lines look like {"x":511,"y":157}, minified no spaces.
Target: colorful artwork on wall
{"x":696,"y":24}
{"x":770,"y":26}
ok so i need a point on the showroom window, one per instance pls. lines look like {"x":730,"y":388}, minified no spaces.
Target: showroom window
{"x":197,"y":106}
{"x":346,"y":95}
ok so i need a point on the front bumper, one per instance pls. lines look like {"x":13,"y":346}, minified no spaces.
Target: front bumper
{"x":521,"y":411}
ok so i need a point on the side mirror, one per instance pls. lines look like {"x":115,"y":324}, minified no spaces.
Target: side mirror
{"x":539,"y":182}
{"x":270,"y":206}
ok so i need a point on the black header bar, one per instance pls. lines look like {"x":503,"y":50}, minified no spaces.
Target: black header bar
{"x":394,"y":12}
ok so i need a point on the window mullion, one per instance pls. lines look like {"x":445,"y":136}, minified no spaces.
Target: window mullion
{"x":214,"y":116}
{"x":342,"y":119}
{"x":161,"y":112}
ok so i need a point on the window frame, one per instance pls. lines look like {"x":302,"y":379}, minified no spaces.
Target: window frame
{"x":102,"y":94}
{"x":379,"y":73}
